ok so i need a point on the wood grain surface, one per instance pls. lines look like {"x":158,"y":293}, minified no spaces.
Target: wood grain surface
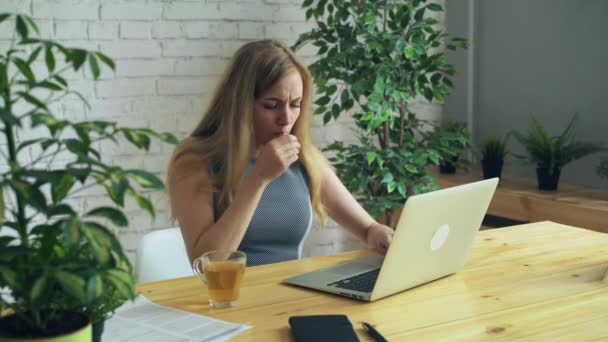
{"x":539,"y":281}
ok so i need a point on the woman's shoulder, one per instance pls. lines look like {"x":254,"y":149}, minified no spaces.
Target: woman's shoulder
{"x":189,"y":163}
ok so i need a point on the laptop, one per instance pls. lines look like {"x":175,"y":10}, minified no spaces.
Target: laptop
{"x":432,"y":240}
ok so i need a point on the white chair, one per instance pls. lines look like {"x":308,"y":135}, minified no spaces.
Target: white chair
{"x":162,"y":255}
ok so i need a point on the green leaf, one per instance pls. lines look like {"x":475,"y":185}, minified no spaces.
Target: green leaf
{"x":60,"y":209}
{"x":106,"y":60}
{"x":38,"y":288}
{"x":168,"y":138}
{"x":21,"y":27}
{"x":409,"y":52}
{"x":101,"y":241}
{"x":71,"y":232}
{"x":434,"y":7}
{"x":123,"y":282}
{"x":72,"y":284}
{"x":136,"y":138}
{"x":309,"y":13}
{"x":391,"y":187}
{"x":61,"y":187}
{"x":344,"y":97}
{"x":25,"y":69}
{"x":388,"y":177}
{"x":30,"y":194}
{"x":121,"y":275}
{"x":428,"y":94}
{"x":50,"y":86}
{"x":371,"y":156}
{"x":94,"y":66}
{"x":77,"y":57}
{"x":4,"y":16}
{"x":306,"y":3}
{"x":326,"y":118}
{"x":116,"y":216}
{"x":144,"y":203}
{"x":94,"y":288}
{"x":49,"y":59}
{"x":32,"y":100}
{"x":146,"y":179}
{"x":8,"y":117}
{"x":61,"y":80}
{"x":401,"y":189}
{"x":10,"y":277}
{"x":34,"y":55}
{"x":323,"y":101}
{"x":411,"y":168}
{"x":32,"y":24}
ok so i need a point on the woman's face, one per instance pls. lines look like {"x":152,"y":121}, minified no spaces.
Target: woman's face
{"x":277,"y":109}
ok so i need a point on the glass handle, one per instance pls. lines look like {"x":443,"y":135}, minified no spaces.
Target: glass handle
{"x":196,"y":267}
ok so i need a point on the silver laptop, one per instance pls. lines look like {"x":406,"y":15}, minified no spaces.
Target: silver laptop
{"x":432,"y":240}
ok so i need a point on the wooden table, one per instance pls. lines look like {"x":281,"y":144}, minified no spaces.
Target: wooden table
{"x":518,"y":198}
{"x":540,"y":281}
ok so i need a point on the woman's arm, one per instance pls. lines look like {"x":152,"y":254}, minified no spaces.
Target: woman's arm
{"x":343,"y":208}
{"x":192,"y":204}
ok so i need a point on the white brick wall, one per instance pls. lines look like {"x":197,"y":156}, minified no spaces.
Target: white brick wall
{"x":169,"y":55}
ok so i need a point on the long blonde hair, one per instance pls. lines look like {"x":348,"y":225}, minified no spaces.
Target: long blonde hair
{"x":224,"y":136}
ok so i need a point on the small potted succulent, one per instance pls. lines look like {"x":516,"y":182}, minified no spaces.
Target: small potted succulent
{"x":493,"y":154}
{"x":453,"y":139}
{"x":63,"y":269}
{"x":552,"y":153}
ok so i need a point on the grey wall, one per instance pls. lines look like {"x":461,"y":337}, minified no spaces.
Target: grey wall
{"x":545,"y":58}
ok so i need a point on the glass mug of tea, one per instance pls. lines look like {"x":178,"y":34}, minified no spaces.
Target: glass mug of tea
{"x":222,"y":272}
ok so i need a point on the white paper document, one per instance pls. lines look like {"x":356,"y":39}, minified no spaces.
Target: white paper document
{"x":143,"y":320}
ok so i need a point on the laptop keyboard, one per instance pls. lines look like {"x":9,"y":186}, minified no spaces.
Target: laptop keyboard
{"x":363,"y":282}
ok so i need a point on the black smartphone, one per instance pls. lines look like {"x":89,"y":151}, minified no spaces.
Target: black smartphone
{"x":321,"y":328}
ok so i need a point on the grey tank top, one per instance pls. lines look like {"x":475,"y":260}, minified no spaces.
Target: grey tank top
{"x":281,"y":220}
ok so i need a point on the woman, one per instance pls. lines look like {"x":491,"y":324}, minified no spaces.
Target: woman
{"x":248,"y":177}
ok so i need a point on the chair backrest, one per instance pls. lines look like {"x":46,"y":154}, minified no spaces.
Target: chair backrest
{"x":162,"y":255}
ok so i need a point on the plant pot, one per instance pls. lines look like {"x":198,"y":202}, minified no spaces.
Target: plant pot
{"x":98,"y":331}
{"x":491,"y":168}
{"x":79,"y":329}
{"x":547,"y":181}
{"x":448,"y":166}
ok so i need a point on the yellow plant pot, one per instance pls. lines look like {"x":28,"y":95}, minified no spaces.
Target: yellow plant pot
{"x":84,"y":334}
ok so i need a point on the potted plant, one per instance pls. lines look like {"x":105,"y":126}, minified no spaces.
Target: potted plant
{"x":551,"y":154}
{"x":453,"y":138}
{"x":493,"y":154}
{"x":375,"y":58}
{"x":63,"y":268}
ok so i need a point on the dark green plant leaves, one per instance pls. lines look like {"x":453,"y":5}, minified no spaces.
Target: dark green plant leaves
{"x":122,"y":282}
{"x":25,"y":69}
{"x":146,"y":179}
{"x":71,"y":284}
{"x":34,"y":196}
{"x":137,"y":138}
{"x":94,"y":288}
{"x":49,"y":59}
{"x":94,"y":66}
{"x":38,"y":288}
{"x":21,"y":27}
{"x":551,"y":152}
{"x":4,"y":16}
{"x":75,"y":262}
{"x":106,"y":60}
{"x":71,"y":232}
{"x":61,"y":186}
{"x":116,"y":216}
